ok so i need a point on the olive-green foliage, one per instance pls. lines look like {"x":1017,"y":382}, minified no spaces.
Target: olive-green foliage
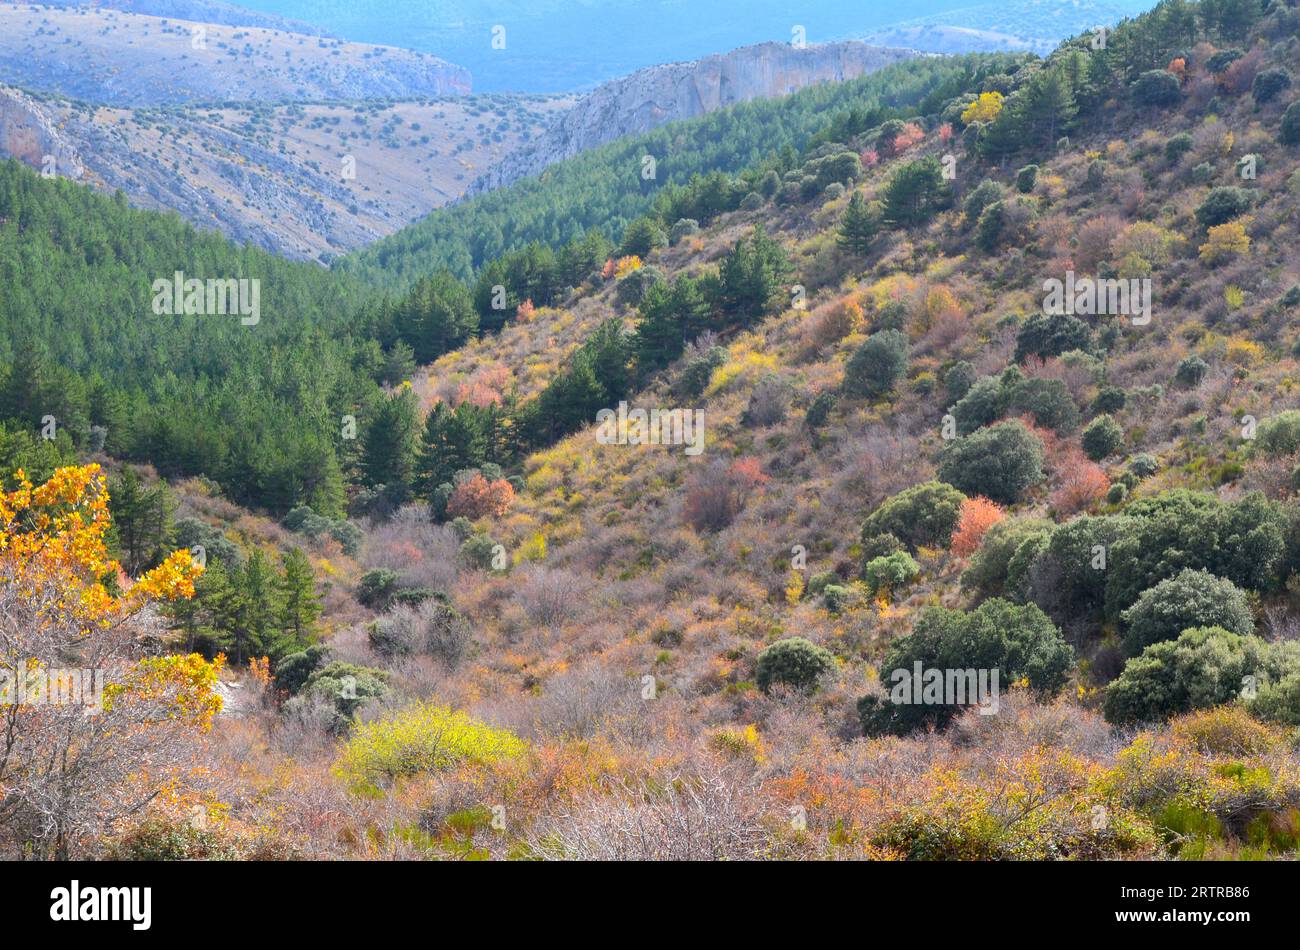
{"x":1189,"y":599}
{"x":794,"y":662}
{"x":1102,"y":437}
{"x":1279,"y":434}
{"x":999,"y":462}
{"x":1207,"y":667}
{"x":924,"y":515}
{"x":1020,"y":642}
{"x":890,"y":572}
{"x":987,"y":569}
{"x":877,"y":365}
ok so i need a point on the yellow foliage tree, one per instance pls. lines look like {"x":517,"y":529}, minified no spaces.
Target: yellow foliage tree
{"x":984,"y":109}
{"x":92,"y":728}
{"x":1226,"y":241}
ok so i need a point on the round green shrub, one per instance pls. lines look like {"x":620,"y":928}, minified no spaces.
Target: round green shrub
{"x":1102,"y":437}
{"x":794,"y":662}
{"x":999,"y":462}
{"x":1190,"y":599}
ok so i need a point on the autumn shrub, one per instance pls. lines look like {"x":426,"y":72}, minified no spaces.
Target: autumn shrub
{"x":1081,"y":485}
{"x":716,"y":496}
{"x":924,"y":515}
{"x":978,"y":515}
{"x":476,"y":497}
{"x":433,"y":628}
{"x":999,"y":462}
{"x":794,"y":662}
{"x":769,"y":402}
{"x":423,"y":737}
{"x":1190,"y":599}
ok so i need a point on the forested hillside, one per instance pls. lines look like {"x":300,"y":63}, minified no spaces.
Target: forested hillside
{"x":609,"y":186}
{"x":983,"y":368}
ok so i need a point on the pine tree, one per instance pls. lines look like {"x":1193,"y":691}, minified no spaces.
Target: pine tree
{"x":915,"y":192}
{"x":141,"y":521}
{"x":298,"y":603}
{"x":857,"y":227}
{"x":388,"y":447}
{"x":453,"y":440}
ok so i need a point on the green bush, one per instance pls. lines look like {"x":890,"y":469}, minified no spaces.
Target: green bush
{"x":890,"y":572}
{"x":376,"y":588}
{"x":924,"y":515}
{"x":1243,"y":541}
{"x":1207,"y":667}
{"x":1102,"y":437}
{"x":1109,"y":400}
{"x":999,"y":462}
{"x":1026,"y":178}
{"x":1144,"y":465}
{"x":1270,"y":83}
{"x":1178,"y":146}
{"x":880,"y":545}
{"x":1224,"y":204}
{"x":1280,"y":434}
{"x":794,"y":662}
{"x":987,"y":569}
{"x":1191,"y":599}
{"x":1289,"y":131}
{"x":958,"y":380}
{"x":1019,"y":642}
{"x":982,"y":405}
{"x":1046,"y":335}
{"x":1156,"y":87}
{"x":1047,"y":400}
{"x":1191,"y":370}
{"x":877,"y":365}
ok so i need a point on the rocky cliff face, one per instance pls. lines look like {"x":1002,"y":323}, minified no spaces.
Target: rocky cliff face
{"x":660,"y":94}
{"x":29,"y":134}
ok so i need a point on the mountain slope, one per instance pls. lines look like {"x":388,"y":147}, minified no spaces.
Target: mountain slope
{"x":307,"y":180}
{"x":127,"y":59}
{"x":652,"y":97}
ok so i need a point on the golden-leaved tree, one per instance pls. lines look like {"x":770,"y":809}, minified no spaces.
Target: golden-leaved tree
{"x":94,"y":723}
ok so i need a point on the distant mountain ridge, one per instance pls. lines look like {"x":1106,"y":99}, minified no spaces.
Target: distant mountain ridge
{"x":126,"y":59}
{"x":651,"y":97}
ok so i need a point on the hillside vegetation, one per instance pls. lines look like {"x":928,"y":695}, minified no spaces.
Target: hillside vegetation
{"x":562,"y":644}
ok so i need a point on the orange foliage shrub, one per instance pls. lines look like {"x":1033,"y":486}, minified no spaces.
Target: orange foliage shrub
{"x":476,"y":497}
{"x":978,"y":514}
{"x":1083,"y":484}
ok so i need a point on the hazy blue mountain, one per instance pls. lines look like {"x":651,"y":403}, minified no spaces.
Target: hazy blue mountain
{"x":567,"y":45}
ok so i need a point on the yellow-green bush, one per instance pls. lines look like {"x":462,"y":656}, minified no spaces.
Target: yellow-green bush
{"x":421,"y":738}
